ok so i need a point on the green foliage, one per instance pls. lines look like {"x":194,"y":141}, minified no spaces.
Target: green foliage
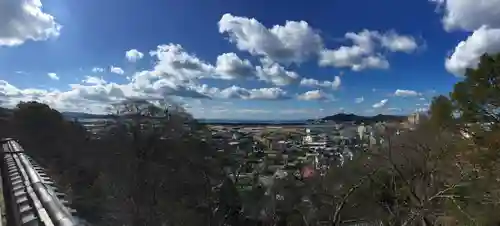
{"x":477,"y":100}
{"x":477,"y":97}
{"x":441,"y":110}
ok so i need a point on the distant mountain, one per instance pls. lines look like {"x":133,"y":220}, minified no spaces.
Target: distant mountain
{"x":389,"y":118}
{"x":365,"y":119}
{"x":81,"y":115}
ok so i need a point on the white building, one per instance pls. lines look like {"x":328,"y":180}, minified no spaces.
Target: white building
{"x":309,"y":137}
{"x":361,"y":132}
{"x":373,"y":138}
{"x":416,"y":118}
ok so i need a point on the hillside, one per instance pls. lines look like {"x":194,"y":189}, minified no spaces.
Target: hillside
{"x":363,"y":119}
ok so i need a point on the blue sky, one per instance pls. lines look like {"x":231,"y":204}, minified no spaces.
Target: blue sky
{"x":242,"y":59}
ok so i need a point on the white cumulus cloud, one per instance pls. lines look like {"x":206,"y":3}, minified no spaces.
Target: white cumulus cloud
{"x":79,"y":97}
{"x":295,"y":41}
{"x":172,"y":60}
{"x":398,"y":43}
{"x":268,"y":93}
{"x":116,"y":70}
{"x":22,"y":20}
{"x":134,"y":55}
{"x":276,"y":74}
{"x":335,"y":84}
{"x":467,"y":53}
{"x":94,"y":80}
{"x":406,"y":93}
{"x":230,"y":66}
{"x":469,"y":15}
{"x":150,"y":84}
{"x":315,"y":95}
{"x":480,"y":17}
{"x":364,"y":53}
{"x":236,"y":92}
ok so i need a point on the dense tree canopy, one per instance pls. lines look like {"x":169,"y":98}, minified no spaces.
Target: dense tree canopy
{"x":151,"y":167}
{"x":441,"y":110}
{"x":477,"y":97}
{"x":474,"y":106}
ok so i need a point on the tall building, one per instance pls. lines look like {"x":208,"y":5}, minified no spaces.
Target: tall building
{"x":308,"y":138}
{"x":361,"y":131}
{"x":416,"y":118}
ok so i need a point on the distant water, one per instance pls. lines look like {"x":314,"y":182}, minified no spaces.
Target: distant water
{"x":250,"y":121}
{"x":217,"y":121}
{"x":89,"y":120}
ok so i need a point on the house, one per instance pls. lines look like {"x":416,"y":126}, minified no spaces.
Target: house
{"x":416,"y":118}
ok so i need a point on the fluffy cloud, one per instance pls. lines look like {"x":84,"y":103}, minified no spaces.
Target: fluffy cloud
{"x":293,"y":42}
{"x":353,"y":57}
{"x":94,"y":80}
{"x":359,"y":56}
{"x":359,"y":100}
{"x":479,"y":17}
{"x":156,"y":85}
{"x":297,"y":41}
{"x":8,"y":90}
{"x":276,"y":74}
{"x":53,"y":76}
{"x":173,"y":61}
{"x":78,"y":98}
{"x":405,"y":93}
{"x":22,"y":20}
{"x":468,"y":52}
{"x":153,"y":85}
{"x":103,"y":93}
{"x":363,"y":54}
{"x":95,"y":94}
{"x":268,"y":93}
{"x":175,"y":73}
{"x":230,"y":66}
{"x":314,"y":95}
{"x":469,"y":15}
{"x":335,"y":84}
{"x":380,"y":104}
{"x":133,"y":55}
{"x":398,"y":43}
{"x":11,"y":95}
{"x":236,"y":92}
{"x":116,"y":70}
